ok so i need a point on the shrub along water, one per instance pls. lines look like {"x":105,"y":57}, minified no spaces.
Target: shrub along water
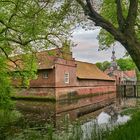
{"x":7,"y":118}
{"x":128,"y":131}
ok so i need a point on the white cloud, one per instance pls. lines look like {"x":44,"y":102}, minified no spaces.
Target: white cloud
{"x":87,"y":47}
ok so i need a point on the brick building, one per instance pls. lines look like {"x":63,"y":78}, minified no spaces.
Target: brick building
{"x":62,"y":77}
{"x":121,"y":77}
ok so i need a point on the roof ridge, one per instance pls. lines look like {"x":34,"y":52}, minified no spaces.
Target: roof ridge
{"x":85,"y":62}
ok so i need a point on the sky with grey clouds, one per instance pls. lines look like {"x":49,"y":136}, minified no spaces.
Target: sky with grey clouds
{"x":87,"y":47}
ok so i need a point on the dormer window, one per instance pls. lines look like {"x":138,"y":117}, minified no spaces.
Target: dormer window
{"x":45,"y":74}
{"x":66,"y":78}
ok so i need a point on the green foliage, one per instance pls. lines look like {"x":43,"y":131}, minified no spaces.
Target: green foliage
{"x":28,"y":26}
{"x":105,"y":39}
{"x":103,"y":66}
{"x":129,"y":131}
{"x":7,"y":118}
{"x":123,"y":63}
{"x":109,"y":12}
{"x":126,"y":64}
{"x":5,"y":87}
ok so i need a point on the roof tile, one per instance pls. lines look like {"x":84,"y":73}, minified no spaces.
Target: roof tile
{"x":90,"y":71}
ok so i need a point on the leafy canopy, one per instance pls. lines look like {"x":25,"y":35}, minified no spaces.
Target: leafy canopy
{"x":27,"y":26}
{"x":103,"y":66}
{"x":108,"y":11}
{"x":123,"y":63}
{"x":126,"y":64}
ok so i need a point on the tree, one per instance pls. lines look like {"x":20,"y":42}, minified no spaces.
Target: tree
{"x":126,"y":64}
{"x":27,"y":26}
{"x":123,"y":63}
{"x":103,"y":66}
{"x":99,"y":65}
{"x":119,"y":20}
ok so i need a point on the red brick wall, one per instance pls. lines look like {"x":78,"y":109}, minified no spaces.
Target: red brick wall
{"x":62,"y":67}
{"x":99,"y":89}
{"x":44,"y":82}
{"x":48,"y":92}
{"x":64,"y":93}
{"x":61,"y":90}
{"x":86,"y":82}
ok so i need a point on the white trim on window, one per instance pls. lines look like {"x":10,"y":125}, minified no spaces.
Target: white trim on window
{"x":66,"y":78}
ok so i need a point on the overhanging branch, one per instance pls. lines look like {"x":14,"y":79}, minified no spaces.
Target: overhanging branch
{"x":120,"y":17}
{"x":101,"y":21}
{"x":132,"y":14}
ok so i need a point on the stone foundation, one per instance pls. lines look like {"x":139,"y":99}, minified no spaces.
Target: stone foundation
{"x":63,"y":93}
{"x":36,"y":91}
{"x":79,"y":92}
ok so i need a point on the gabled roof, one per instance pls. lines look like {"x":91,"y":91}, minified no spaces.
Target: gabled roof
{"x":84,"y":70}
{"x":90,"y":71}
{"x":45,"y":59}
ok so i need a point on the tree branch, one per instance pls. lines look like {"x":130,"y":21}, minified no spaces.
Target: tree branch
{"x":120,"y":17}
{"x":7,"y":27}
{"x":99,"y":20}
{"x":26,"y":42}
{"x":10,"y":59}
{"x":132,"y":14}
{"x":14,"y":13}
{"x":82,"y":4}
{"x":7,"y":1}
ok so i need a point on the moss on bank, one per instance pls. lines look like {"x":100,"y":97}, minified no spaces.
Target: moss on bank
{"x":33,"y":98}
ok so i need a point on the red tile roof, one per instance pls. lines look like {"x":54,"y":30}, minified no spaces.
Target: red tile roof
{"x":45,"y":59}
{"x":130,"y":73}
{"x":84,"y":70}
{"x":90,"y":71}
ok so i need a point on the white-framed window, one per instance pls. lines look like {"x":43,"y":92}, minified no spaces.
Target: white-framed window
{"x":66,"y":78}
{"x":45,"y":74}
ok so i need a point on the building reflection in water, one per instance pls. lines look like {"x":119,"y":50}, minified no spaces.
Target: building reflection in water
{"x":40,"y":113}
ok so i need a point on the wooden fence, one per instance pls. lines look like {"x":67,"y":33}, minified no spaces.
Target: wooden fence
{"x":128,"y":89}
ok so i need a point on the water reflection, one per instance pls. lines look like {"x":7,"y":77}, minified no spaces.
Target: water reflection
{"x":123,"y":119}
{"x":103,"y":118}
{"x":102,"y":122}
{"x":37,"y":113}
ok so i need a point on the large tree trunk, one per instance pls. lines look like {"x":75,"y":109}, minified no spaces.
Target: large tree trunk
{"x":133,"y":49}
{"x":125,"y":33}
{"x":135,"y":56}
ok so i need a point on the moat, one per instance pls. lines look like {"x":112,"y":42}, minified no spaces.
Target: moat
{"x":38,"y":116}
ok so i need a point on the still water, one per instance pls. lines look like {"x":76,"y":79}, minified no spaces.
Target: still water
{"x":39,"y":115}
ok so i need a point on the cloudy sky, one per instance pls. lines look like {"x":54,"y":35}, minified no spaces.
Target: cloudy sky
{"x":87,"y":47}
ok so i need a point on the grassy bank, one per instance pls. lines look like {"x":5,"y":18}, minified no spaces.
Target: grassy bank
{"x":7,"y":119}
{"x":128,"y":131}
